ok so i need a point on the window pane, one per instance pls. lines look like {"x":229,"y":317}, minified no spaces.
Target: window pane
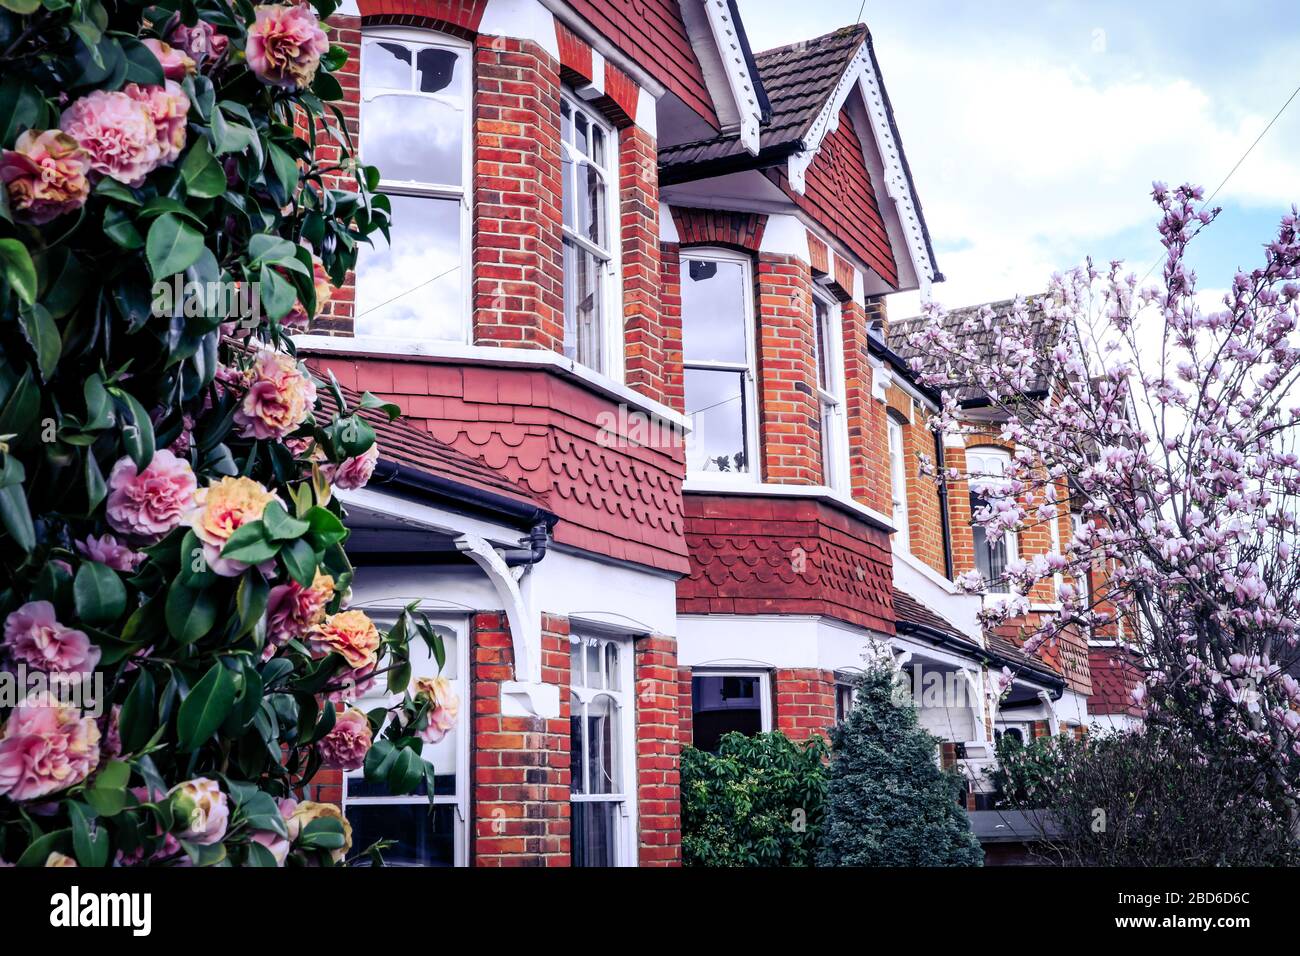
{"x":720,"y":705}
{"x":424,"y":835}
{"x":575,"y":664}
{"x":385,"y":64}
{"x":990,"y":559}
{"x":412,"y":288}
{"x":592,"y":221}
{"x":715,"y":405}
{"x":611,"y":666}
{"x":602,"y":746}
{"x":825,"y":376}
{"x":594,"y":833}
{"x":437,"y":71}
{"x":583,"y":325}
{"x":713,"y":311}
{"x":414,"y":139}
{"x":593,"y":665}
{"x":578,"y":748}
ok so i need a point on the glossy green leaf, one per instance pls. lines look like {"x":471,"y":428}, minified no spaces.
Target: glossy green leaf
{"x":207,"y":705}
{"x":172,"y":246}
{"x":99,"y":593}
{"x":17,"y":269}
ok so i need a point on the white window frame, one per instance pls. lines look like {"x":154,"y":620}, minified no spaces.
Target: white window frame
{"x":764,"y":689}
{"x":385,"y":616}
{"x":831,"y":408}
{"x":898,"y":480}
{"x":625,"y":852}
{"x":611,"y":292}
{"x":430,"y":38}
{"x":986,"y":454}
{"x":749,"y":381}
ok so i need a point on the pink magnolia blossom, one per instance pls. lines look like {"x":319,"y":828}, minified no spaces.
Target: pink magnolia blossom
{"x":45,"y":175}
{"x":117,"y":134}
{"x":285,"y":44}
{"x":46,"y":747}
{"x":148,"y":504}
{"x":35,"y":638}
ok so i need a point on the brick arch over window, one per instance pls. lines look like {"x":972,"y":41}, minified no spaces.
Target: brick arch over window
{"x":461,"y":17}
{"x":711,"y":227}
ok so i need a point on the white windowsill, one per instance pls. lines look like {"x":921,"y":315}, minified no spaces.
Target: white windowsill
{"x":455,"y":352}
{"x":770,"y":489}
{"x":927,"y":572}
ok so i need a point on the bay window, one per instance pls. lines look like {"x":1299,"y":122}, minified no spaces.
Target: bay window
{"x":898,"y":482}
{"x":724,"y":701}
{"x":830,"y":391}
{"x":415,"y":114}
{"x":591,"y":308}
{"x":986,"y":465}
{"x":603,"y":751}
{"x":423,"y":834}
{"x":718,"y":357}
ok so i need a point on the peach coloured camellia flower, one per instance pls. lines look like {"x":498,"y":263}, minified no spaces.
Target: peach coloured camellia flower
{"x":149,"y":504}
{"x":202,"y":42}
{"x":297,"y":317}
{"x":354,"y":472}
{"x":35,"y":638}
{"x":280,"y":396}
{"x":202,"y":808}
{"x":46,"y":747}
{"x":45,"y":175}
{"x":345,"y":747}
{"x":350,"y":634}
{"x":59,"y":859}
{"x":285,"y":44}
{"x":444,"y":706}
{"x":176,"y":63}
{"x":117,"y":133}
{"x":223,"y":507}
{"x":167,"y":106}
{"x":292,"y":610}
{"x":309,"y":810}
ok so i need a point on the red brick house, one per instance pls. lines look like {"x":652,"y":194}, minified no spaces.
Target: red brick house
{"x":644,"y":479}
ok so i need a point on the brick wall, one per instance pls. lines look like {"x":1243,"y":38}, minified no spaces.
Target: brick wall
{"x":659,"y":815}
{"x":805,"y":702}
{"x":650,"y":350}
{"x":670,"y":318}
{"x":789,"y":424}
{"x":520,"y":808}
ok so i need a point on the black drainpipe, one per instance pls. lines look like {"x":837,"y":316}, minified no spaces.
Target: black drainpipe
{"x":943,"y":505}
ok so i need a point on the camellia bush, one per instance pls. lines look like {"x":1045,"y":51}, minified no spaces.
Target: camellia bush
{"x":179,"y":660}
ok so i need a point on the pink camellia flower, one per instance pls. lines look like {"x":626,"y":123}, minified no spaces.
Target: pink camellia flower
{"x":46,"y":747}
{"x":176,"y":63}
{"x":45,"y":175}
{"x":355,"y":472}
{"x":292,"y":610}
{"x":35,"y":638}
{"x":117,"y":133}
{"x":345,"y":747}
{"x":149,"y":504}
{"x":202,"y":808}
{"x":279,"y":398}
{"x":444,"y":706}
{"x":167,"y":106}
{"x":202,"y":42}
{"x":106,"y":549}
{"x":285,"y":44}
{"x":297,"y":318}
{"x":222,"y":508}
{"x":307,"y":811}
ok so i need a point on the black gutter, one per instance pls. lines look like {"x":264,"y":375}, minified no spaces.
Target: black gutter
{"x":467,"y":499}
{"x":674,"y":174}
{"x":984,"y":656}
{"x":880,"y":349}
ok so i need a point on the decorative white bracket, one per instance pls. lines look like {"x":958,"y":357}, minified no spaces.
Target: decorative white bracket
{"x":1053,"y":724}
{"x":727,"y":39}
{"x":978,"y":702}
{"x":881,"y":378}
{"x":528,"y":696}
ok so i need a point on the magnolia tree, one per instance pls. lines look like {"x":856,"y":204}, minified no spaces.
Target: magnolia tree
{"x":178,"y":657}
{"x":1172,"y":427}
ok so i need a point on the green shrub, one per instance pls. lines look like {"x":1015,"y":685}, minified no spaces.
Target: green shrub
{"x":759,"y":801}
{"x":888,"y":801}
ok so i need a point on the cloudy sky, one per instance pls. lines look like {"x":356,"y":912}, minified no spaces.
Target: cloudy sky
{"x":1034,"y":129}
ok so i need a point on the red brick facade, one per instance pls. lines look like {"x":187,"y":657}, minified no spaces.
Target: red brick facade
{"x":657,"y":745}
{"x":805,"y":702}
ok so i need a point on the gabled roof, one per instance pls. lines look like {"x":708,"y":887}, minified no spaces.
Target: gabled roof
{"x":417,"y":459}
{"x":966,"y":325}
{"x":798,"y":78}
